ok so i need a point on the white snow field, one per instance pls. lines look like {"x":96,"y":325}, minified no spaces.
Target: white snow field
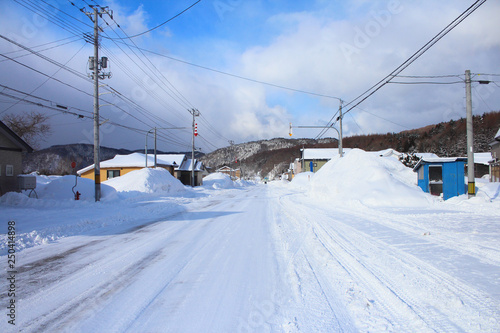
{"x":356,"y":247}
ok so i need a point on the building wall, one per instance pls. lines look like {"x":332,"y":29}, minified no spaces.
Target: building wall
{"x":123,"y":171}
{"x":495,"y":151}
{"x":317,"y":164}
{"x":453,"y":179}
{"x":10,"y":159}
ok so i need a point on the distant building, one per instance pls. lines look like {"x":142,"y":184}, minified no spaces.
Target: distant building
{"x":12,"y":150}
{"x":233,"y":173}
{"x":495,"y":161}
{"x":314,"y":158}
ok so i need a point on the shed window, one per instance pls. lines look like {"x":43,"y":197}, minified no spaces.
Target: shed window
{"x":113,"y":173}
{"x":435,"y":173}
{"x":9,"y":170}
{"x":436,"y":179}
{"x":421,"y":173}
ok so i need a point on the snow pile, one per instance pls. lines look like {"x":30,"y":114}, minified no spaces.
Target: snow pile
{"x":486,"y":193}
{"x":372,"y":180}
{"x":146,"y":180}
{"x":302,"y":180}
{"x":218,"y":181}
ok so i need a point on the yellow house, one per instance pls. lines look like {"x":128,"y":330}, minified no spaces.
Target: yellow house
{"x":123,"y":164}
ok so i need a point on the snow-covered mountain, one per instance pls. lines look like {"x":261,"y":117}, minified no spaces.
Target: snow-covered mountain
{"x":265,"y":158}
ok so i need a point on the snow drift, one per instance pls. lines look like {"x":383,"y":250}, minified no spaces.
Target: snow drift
{"x":218,"y":181}
{"x":146,"y":180}
{"x":369,"y":179}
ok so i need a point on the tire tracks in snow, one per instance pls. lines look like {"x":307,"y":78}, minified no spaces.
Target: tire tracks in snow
{"x":351,"y":250}
{"x":137,"y":255}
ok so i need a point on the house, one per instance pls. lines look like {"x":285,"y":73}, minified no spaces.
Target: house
{"x":123,"y":164}
{"x":314,"y":158}
{"x":12,"y":150}
{"x":495,"y":159}
{"x":178,"y":165}
{"x":233,"y":173}
{"x":444,"y":176}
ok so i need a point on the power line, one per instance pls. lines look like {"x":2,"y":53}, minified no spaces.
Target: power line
{"x":416,"y":55}
{"x":170,"y":19}
{"x":425,"y":82}
{"x":376,"y":87}
{"x":241,"y":77}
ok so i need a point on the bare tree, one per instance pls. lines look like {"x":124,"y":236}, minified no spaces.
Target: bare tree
{"x":32,"y":127}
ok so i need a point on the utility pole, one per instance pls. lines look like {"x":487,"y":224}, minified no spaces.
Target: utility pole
{"x":470,"y":137}
{"x":195,"y":113}
{"x":155,"y":148}
{"x":96,"y":65}
{"x":341,"y":151}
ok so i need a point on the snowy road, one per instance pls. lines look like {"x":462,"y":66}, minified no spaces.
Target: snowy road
{"x":267,"y":259}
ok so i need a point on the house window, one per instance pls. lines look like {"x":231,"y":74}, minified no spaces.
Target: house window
{"x":9,"y":170}
{"x":113,"y":173}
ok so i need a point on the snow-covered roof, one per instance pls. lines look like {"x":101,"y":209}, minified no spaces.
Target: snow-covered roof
{"x":322,"y":153}
{"x":225,"y":168}
{"x":133,"y":160}
{"x":482,"y":158}
{"x":187,"y":165}
{"x":426,"y":155}
{"x":497,"y":136}
{"x":386,"y":153}
{"x":438,"y":160}
{"x":177,"y":158}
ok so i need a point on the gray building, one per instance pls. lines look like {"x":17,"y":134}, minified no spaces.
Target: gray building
{"x":12,"y":149}
{"x":495,"y":162}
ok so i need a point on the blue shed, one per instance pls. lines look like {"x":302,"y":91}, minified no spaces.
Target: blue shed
{"x":442,"y":175}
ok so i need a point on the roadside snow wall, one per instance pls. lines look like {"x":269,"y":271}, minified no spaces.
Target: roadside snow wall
{"x":369,"y":179}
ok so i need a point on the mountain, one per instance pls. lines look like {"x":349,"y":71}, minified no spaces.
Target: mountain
{"x":264,"y":158}
{"x":56,"y":160}
{"x":270,"y":157}
{"x":267,"y":158}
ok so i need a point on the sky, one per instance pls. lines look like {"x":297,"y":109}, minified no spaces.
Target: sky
{"x":249,"y":67}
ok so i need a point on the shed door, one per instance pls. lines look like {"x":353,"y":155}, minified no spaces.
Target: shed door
{"x":435,"y":179}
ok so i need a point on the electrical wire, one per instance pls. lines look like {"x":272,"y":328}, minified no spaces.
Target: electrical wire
{"x":170,"y":19}
{"x":376,"y":87}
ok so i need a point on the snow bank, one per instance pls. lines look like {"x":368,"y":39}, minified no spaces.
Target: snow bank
{"x":302,"y":180}
{"x":486,"y":193}
{"x":146,"y":180}
{"x":372,"y":180}
{"x":218,"y":181}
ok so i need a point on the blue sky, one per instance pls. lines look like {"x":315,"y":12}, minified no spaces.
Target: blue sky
{"x":331,"y":48}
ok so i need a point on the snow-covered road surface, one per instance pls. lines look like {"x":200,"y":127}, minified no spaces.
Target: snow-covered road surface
{"x":268,"y":258}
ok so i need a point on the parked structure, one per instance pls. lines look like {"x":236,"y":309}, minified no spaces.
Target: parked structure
{"x":12,"y":150}
{"x":495,"y":161}
{"x":444,"y":176}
